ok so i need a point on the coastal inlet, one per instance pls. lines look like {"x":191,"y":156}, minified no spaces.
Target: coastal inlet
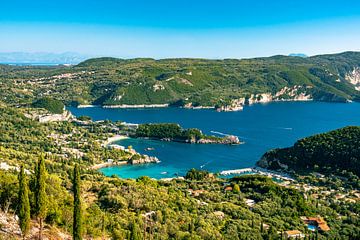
{"x":168,"y":132}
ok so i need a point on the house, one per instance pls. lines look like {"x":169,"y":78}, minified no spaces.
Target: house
{"x":228,"y":189}
{"x":294,"y":234}
{"x":317,"y":222}
{"x":249,"y":202}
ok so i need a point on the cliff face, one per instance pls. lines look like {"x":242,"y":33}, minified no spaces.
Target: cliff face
{"x":225,"y":140}
{"x":353,"y":77}
{"x":295,"y":93}
{"x":65,"y":116}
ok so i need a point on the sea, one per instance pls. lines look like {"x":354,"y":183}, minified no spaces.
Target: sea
{"x":260,"y":126}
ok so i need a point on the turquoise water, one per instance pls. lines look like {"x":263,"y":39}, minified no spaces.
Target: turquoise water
{"x":261,"y":126}
{"x":312,"y":227}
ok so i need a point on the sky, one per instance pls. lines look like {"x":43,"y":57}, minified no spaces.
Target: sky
{"x":180,"y":28}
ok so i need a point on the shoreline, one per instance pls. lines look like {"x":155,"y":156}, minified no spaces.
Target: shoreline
{"x":107,"y":164}
{"x":114,"y":139}
{"x":164,"y":105}
{"x":167,"y":105}
{"x":224,"y":173}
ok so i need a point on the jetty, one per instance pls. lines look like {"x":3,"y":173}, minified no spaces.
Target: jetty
{"x":237,"y":171}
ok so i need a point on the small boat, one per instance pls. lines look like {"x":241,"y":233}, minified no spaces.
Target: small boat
{"x":149,"y":149}
{"x":163,"y":173}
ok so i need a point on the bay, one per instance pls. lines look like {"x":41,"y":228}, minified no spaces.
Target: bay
{"x":261,"y":126}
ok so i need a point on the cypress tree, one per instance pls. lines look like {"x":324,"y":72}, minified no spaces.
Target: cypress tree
{"x":134,"y":232}
{"x":40,"y":193}
{"x":77,"y":224}
{"x":24,"y":204}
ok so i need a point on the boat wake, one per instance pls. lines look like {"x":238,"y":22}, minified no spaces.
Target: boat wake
{"x":202,"y":166}
{"x":220,"y":133}
{"x":286,"y":128}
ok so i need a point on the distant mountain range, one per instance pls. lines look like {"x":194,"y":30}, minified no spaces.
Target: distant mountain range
{"x":42,"y":58}
{"x":298,"y":55}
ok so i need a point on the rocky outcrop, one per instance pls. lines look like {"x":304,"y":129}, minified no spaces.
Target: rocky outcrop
{"x":354,"y":78}
{"x":65,"y":116}
{"x":230,"y":139}
{"x":9,"y":226}
{"x":235,"y":105}
{"x":143,"y":159}
{"x":295,"y":93}
{"x":271,"y":163}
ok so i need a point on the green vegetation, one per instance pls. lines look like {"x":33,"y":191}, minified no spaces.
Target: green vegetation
{"x":171,"y":131}
{"x":201,"y":206}
{"x":199,"y":175}
{"x":40,"y":194}
{"x":77,"y":222}
{"x":24,"y":204}
{"x":335,"y":151}
{"x":52,"y":105}
{"x":109,"y":81}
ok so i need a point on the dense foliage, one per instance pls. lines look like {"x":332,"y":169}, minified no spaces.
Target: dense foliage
{"x":168,"y":131}
{"x":52,"y":105}
{"x":194,"y":174}
{"x":197,"y":207}
{"x":109,"y":81}
{"x":328,"y":152}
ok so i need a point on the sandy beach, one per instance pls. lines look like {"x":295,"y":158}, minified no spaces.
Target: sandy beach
{"x":114,"y":139}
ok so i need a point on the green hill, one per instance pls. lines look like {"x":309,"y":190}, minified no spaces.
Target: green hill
{"x":328,"y":152}
{"x":111,"y":81}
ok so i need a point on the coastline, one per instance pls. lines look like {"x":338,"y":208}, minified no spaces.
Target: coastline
{"x":107,"y":164}
{"x":114,"y":139}
{"x":228,"y":108}
{"x":137,"y":106}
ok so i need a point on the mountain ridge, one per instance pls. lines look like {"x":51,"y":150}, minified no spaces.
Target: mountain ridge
{"x":223,"y":84}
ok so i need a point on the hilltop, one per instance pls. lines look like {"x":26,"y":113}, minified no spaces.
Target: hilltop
{"x":226,"y":84}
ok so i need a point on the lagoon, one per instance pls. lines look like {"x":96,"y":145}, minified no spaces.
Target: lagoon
{"x":261,"y":126}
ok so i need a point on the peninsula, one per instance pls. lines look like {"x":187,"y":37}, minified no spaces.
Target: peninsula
{"x":173,"y":132}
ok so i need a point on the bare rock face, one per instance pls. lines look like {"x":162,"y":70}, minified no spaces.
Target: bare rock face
{"x":144,"y":159}
{"x":354,"y":78}
{"x":65,"y":116}
{"x":9,"y":224}
{"x":230,"y":139}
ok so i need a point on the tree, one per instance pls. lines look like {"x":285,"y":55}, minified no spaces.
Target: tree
{"x":77,"y":224}
{"x":24,"y":204}
{"x":40,"y":193}
{"x":236,"y":188}
{"x":134,"y":231}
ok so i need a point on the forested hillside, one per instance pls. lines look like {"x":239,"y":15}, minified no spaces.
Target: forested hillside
{"x":110,"y":81}
{"x":201,"y":206}
{"x":328,"y":152}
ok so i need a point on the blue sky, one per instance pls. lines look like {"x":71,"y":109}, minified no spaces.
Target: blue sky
{"x":197,"y":28}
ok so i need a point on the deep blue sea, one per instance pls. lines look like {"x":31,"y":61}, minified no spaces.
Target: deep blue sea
{"x":260,"y":126}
